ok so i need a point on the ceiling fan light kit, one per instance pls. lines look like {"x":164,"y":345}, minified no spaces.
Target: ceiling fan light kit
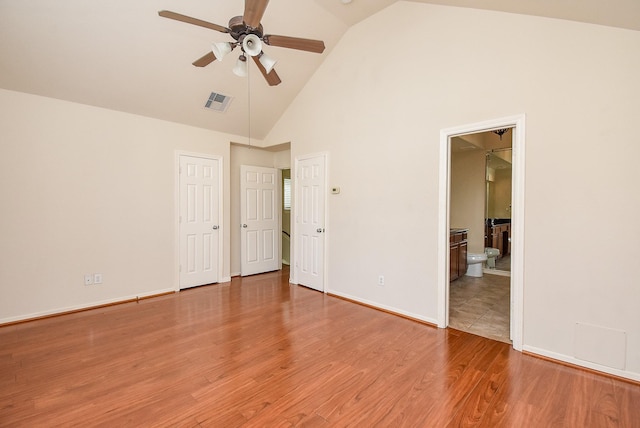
{"x":267,"y":62}
{"x":221,"y":49}
{"x":248,"y":33}
{"x":251,"y":45}
{"x":241,"y":68}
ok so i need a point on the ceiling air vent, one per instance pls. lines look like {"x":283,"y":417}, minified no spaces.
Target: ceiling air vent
{"x":217,"y":102}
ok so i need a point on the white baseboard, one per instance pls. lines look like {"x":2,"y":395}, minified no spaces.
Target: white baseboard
{"x":586,"y":364}
{"x":385,"y":307}
{"x":85,"y":306}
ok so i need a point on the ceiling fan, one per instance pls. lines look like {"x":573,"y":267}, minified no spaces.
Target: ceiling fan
{"x":248,"y":33}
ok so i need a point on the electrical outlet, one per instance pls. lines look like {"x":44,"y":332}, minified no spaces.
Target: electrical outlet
{"x":88,"y":279}
{"x":97,"y":278}
{"x":381,"y":280}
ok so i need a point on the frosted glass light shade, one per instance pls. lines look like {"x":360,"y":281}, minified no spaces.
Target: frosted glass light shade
{"x":267,"y":62}
{"x":252,"y":45}
{"x":220,"y":50}
{"x":240,"y":69}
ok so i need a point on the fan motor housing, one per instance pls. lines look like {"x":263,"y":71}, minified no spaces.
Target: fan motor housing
{"x":239,"y":28}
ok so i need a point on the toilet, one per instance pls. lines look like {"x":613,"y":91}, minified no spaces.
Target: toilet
{"x":491,"y":253}
{"x":475,"y":262}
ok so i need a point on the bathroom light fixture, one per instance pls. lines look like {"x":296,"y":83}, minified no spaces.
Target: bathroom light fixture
{"x":500,"y":132}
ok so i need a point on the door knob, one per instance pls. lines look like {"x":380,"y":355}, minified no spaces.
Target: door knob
{"x":319,"y":230}
{"x":215,"y":227}
{"x":244,"y":226}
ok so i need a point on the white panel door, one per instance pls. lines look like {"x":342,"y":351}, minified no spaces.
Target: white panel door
{"x":309,"y":211}
{"x":260,"y":233}
{"x":199,"y":221}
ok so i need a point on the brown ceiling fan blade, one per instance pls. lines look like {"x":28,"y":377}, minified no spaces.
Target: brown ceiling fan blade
{"x":272,"y":77}
{"x":194,"y":21}
{"x":205,"y":60}
{"x":308,"y":45}
{"x":253,"y":12}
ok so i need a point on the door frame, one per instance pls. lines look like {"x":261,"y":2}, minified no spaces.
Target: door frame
{"x":281,"y":205}
{"x":293,"y":273}
{"x":176,"y":214}
{"x":516,"y":122}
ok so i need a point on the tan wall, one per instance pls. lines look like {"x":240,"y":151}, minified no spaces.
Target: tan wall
{"x":467,"y":196}
{"x":501,"y":194}
{"x":577,"y":85}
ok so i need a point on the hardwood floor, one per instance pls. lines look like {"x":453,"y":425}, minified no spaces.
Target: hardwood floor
{"x":260,"y":352}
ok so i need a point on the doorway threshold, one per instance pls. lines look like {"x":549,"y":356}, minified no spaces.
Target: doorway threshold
{"x":496,"y":272}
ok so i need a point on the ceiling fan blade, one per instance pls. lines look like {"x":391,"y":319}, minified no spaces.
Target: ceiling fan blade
{"x":308,"y":45}
{"x":272,"y":77}
{"x":194,"y":21}
{"x":253,"y":12}
{"x":207,"y":59}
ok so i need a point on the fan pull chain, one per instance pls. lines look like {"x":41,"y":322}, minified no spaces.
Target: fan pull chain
{"x":249,"y":102}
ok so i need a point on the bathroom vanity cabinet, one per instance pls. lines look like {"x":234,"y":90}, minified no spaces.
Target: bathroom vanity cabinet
{"x":457,"y":253}
{"x":499,"y":236}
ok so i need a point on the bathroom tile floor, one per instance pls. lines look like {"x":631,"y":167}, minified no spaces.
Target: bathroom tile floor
{"x":504,"y":263}
{"x":481,"y":306}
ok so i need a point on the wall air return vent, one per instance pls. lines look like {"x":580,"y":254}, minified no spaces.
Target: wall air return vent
{"x":217,"y":102}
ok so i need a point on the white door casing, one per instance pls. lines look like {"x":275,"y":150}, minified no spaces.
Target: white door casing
{"x":309,"y":205}
{"x":199,"y":216}
{"x":260,"y":231}
{"x":517,"y":215}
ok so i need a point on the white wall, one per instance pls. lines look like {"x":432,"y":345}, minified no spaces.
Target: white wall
{"x":379,"y":118}
{"x":87,"y":190}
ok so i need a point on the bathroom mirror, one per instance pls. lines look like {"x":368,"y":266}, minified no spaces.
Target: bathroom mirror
{"x":498,"y":184}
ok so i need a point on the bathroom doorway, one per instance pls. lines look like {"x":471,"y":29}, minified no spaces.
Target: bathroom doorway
{"x":509,"y":291}
{"x":480,"y":203}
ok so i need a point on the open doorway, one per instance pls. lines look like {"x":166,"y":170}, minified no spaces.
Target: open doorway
{"x":515,"y":282}
{"x":480,"y":207}
{"x":286,"y":216}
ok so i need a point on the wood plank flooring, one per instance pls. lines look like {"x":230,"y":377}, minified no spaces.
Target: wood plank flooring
{"x":259,"y":352}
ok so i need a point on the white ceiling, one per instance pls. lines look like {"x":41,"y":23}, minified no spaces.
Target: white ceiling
{"x":120,"y":55}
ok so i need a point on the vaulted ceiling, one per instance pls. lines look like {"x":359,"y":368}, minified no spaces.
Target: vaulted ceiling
{"x":120,"y":55}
